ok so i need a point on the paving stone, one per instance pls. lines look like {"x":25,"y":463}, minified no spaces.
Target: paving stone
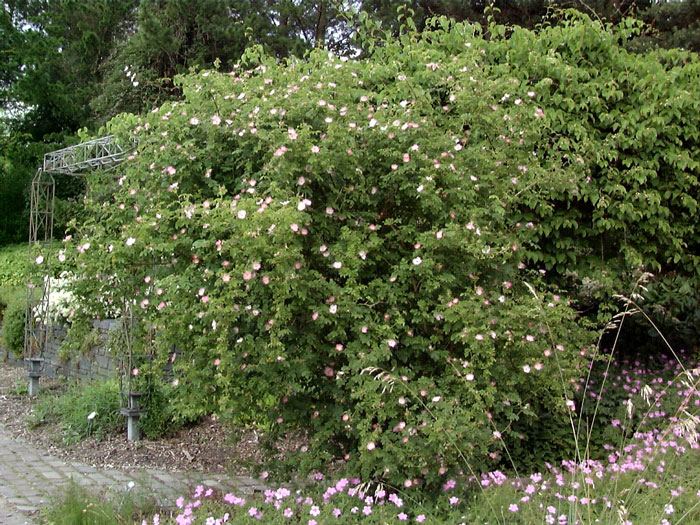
{"x":240,"y":480}
{"x":29,"y":509}
{"x":165,"y":477}
{"x":25,"y":490}
{"x":10,"y":516}
{"x":52,"y":475}
{"x":11,"y":478}
{"x":38,"y":501}
{"x":119,"y":477}
{"x":85,"y":469}
{"x":85,"y":482}
{"x":17,"y":500}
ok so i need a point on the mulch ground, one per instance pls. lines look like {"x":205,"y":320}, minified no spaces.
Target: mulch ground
{"x":208,"y":446}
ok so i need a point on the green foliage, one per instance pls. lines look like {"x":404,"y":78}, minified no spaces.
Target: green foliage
{"x":356,"y":248}
{"x":13,"y":325}
{"x":55,"y":56}
{"x":159,"y":417}
{"x":631,"y":121}
{"x":648,"y":413}
{"x":13,"y":266}
{"x":82,"y":410}
{"x":177,"y":36}
{"x":335,"y":245}
{"x":13,"y":277}
{"x":74,"y":64}
{"x":16,"y":170}
{"x":92,"y":409}
{"x":81,"y":339}
{"x":13,"y":192}
{"x":20,"y":387}
{"x":673,"y":302}
{"x":672,"y":24}
{"x":52,"y":53}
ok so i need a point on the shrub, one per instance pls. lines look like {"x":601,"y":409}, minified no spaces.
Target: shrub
{"x":13,"y":265}
{"x":334,"y":250}
{"x":632,"y":122}
{"x":13,"y":325}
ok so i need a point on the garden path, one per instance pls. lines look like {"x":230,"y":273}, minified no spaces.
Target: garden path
{"x":30,"y":477}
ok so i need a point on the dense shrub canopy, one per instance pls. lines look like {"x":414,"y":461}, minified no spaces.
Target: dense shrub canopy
{"x":633,"y":122}
{"x":357,"y":248}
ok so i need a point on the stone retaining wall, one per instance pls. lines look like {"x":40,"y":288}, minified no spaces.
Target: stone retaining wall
{"x":96,"y":363}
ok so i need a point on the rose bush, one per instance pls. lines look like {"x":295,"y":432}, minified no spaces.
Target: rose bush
{"x":359,"y":248}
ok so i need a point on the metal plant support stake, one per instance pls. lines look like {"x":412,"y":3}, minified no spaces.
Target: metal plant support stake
{"x":104,"y":153}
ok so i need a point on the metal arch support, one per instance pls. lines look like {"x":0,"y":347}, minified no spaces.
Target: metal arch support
{"x":42,"y":200}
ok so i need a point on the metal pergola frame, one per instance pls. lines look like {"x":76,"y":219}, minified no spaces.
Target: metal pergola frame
{"x":43,"y":190}
{"x":103,"y":153}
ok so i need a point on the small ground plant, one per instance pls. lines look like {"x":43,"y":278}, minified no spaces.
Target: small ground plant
{"x":93,"y":409}
{"x":81,"y":410}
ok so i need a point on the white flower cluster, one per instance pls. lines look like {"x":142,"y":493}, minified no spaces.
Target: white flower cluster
{"x":62,"y":301}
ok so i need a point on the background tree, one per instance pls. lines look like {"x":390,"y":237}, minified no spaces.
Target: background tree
{"x":55,"y":50}
{"x":52,"y":52}
{"x":174,"y":36}
{"x":670,"y":23}
{"x":673,"y":24}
